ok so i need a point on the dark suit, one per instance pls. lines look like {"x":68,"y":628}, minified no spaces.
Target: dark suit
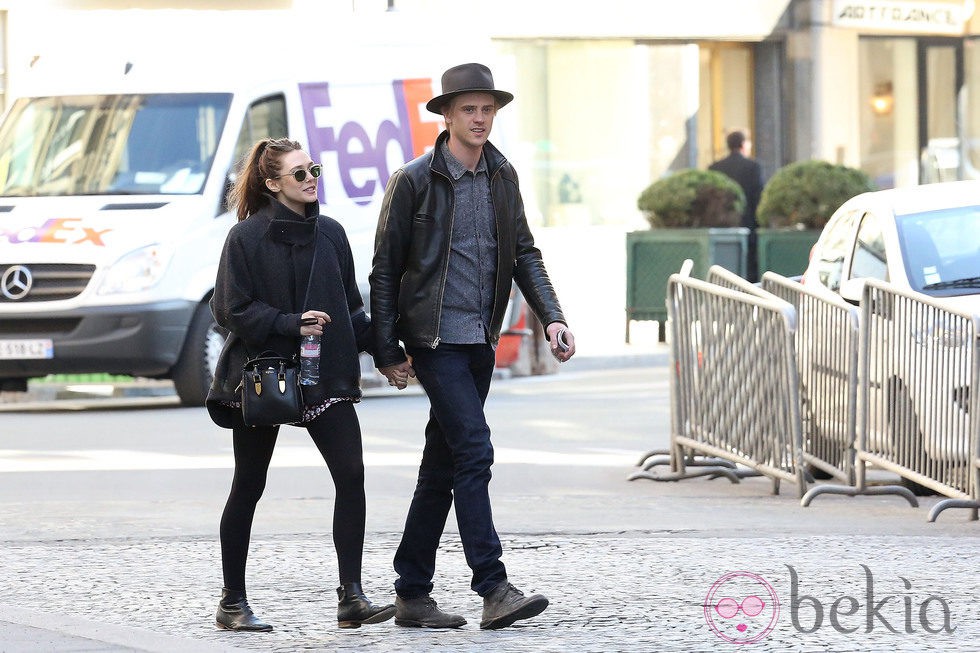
{"x":747,"y":174}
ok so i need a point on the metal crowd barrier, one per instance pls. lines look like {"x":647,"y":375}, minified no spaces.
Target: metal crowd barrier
{"x":734,"y":387}
{"x":826,"y":357}
{"x":826,"y":345}
{"x":918,"y":417}
{"x":727,"y":279}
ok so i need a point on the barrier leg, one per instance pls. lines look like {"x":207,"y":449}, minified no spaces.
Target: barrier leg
{"x":955,"y":503}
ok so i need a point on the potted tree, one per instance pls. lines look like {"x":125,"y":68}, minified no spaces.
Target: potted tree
{"x":693,"y":214}
{"x":795,"y":205}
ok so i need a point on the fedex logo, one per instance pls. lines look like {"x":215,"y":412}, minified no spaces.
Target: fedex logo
{"x":362,"y":133}
{"x":55,"y":230}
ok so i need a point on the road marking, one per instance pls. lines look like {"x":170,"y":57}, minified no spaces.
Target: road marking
{"x":91,"y":460}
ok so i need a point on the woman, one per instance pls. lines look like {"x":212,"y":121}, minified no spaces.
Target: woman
{"x":265,"y":287}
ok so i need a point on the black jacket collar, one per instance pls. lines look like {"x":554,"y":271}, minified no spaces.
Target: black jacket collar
{"x":288,"y":227}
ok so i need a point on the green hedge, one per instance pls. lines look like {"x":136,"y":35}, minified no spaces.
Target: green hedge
{"x":805,"y":194}
{"x":693,"y":198}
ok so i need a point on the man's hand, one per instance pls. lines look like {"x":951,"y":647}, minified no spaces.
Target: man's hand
{"x":398,"y":374}
{"x":569,"y":339}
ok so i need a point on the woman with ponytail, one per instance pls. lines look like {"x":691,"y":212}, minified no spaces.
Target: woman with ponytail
{"x":267,"y":295}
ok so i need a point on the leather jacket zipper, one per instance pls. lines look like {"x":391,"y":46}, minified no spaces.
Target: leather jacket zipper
{"x":445,"y":266}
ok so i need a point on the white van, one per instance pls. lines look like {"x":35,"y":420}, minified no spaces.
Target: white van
{"x":112,"y":187}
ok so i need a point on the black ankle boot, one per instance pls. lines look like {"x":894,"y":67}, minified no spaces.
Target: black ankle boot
{"x":355,"y":609}
{"x":234,"y":613}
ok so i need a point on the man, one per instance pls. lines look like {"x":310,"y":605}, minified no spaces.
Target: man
{"x":747,"y":174}
{"x":452,"y":237}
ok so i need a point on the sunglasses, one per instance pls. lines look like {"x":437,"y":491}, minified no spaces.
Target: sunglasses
{"x":300,"y":175}
{"x":752,"y":606}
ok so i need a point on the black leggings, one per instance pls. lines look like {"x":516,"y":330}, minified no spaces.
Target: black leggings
{"x":337,"y":434}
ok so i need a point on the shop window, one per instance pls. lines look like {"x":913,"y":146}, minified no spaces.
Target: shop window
{"x":602,"y":119}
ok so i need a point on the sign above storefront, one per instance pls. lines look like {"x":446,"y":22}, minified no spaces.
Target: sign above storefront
{"x":921,"y":17}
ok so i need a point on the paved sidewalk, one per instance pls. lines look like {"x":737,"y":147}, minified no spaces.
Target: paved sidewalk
{"x":641,"y":591}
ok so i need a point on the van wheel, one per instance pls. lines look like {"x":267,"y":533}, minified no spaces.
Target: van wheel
{"x":194,"y":370}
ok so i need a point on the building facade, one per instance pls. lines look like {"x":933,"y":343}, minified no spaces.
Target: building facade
{"x":613,"y":95}
{"x":890,"y":87}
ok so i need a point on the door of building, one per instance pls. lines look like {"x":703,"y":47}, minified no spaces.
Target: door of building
{"x":940,"y":72}
{"x":912,"y":129}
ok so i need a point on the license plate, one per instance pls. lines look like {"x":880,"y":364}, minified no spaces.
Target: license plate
{"x":24,"y":349}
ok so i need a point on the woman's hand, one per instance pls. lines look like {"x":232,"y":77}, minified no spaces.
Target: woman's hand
{"x":311,"y":323}
{"x":398,"y":374}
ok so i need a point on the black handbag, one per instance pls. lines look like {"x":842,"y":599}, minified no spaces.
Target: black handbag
{"x":270,"y":391}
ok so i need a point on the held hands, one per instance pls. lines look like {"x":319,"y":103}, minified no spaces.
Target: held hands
{"x":311,"y":323}
{"x":562,"y":355}
{"x":398,"y":374}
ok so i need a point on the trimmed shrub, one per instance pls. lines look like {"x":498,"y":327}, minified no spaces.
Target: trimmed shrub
{"x":806,"y":193}
{"x":693,"y":198}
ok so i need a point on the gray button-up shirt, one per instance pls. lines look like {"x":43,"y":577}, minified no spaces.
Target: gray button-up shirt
{"x":468,"y":301}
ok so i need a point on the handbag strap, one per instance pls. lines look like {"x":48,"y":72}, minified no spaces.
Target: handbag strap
{"x":316,"y":247}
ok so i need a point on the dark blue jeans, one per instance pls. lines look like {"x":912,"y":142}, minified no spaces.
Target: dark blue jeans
{"x":455,"y":468}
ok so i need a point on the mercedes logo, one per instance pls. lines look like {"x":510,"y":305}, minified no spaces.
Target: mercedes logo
{"x":16,"y":282}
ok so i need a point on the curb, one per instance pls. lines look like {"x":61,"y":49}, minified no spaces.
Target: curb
{"x":23,"y":630}
{"x":142,"y":392}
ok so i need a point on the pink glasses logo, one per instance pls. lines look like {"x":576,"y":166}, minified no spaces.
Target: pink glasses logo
{"x":741,"y":608}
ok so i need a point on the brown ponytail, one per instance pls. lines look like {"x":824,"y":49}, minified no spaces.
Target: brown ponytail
{"x":263,"y":162}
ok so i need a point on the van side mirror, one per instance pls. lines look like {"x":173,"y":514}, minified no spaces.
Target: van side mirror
{"x":851,"y":290}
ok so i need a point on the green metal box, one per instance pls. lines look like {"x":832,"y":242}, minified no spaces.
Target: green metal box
{"x":652,"y":255}
{"x":785,"y":251}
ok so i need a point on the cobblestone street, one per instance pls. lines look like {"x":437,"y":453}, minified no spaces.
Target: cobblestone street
{"x":641,"y":591}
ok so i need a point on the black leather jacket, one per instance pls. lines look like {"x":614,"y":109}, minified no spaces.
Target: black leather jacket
{"x":411,"y":254}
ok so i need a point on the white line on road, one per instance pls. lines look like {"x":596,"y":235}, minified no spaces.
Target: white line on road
{"x":284,"y":456}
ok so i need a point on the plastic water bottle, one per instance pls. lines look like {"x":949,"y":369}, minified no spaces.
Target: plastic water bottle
{"x":309,"y":360}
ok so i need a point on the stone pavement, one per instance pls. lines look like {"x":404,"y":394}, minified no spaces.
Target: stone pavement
{"x":635,"y":591}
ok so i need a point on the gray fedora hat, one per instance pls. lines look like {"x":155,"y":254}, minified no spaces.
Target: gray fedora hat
{"x":466,"y":78}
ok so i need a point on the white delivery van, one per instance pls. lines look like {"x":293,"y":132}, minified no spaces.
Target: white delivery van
{"x":112,"y":189}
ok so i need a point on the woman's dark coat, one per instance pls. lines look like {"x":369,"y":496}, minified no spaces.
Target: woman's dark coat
{"x":261,"y":292}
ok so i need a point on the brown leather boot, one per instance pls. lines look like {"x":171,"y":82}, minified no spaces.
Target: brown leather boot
{"x":355,"y":609}
{"x":422,"y":612}
{"x":505,"y":604}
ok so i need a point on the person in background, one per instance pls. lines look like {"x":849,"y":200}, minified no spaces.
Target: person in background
{"x":747,"y":173}
{"x":268,"y":279}
{"x":452,"y":237}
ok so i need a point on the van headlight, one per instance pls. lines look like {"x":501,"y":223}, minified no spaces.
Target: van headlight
{"x":135,"y":272}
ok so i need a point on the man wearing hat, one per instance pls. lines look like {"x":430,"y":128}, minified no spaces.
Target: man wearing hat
{"x":452,"y":238}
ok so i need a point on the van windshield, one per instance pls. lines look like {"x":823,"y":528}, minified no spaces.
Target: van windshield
{"x":110,"y":144}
